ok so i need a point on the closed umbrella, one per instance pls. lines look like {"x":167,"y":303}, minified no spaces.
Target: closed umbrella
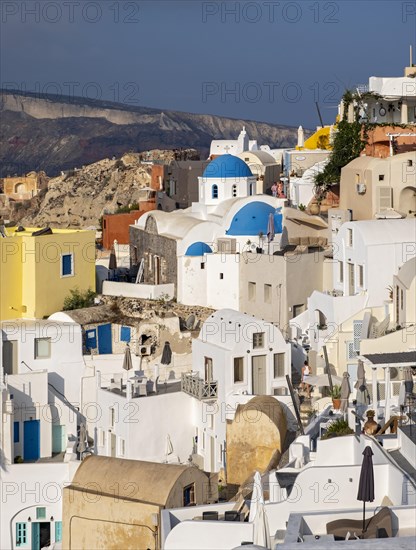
{"x":127,"y":362}
{"x":366,"y":483}
{"x":301,"y":137}
{"x":345,"y":391}
{"x":258,"y":514}
{"x":362,"y":397}
{"x":82,"y":439}
{"x":166,"y":354}
{"x":270,"y":229}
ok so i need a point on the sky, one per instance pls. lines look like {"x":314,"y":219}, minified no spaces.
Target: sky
{"x":257,"y":60}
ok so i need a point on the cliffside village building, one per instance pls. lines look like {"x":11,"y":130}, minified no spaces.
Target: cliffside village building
{"x":133,"y":422}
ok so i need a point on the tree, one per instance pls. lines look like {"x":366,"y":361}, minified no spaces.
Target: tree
{"x":79,"y":298}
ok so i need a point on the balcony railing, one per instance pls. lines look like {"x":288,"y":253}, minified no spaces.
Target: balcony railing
{"x":193,"y":385}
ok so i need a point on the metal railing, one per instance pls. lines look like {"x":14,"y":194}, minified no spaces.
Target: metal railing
{"x":194,"y":385}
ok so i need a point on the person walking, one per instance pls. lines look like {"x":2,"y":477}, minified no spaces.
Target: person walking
{"x":306,"y":372}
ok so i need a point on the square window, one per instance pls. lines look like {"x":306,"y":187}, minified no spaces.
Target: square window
{"x":238,"y":369}
{"x":381,"y":177}
{"x":67,"y":265}
{"x":278,"y":365}
{"x":268,"y":294}
{"x":251,"y":291}
{"x":221,"y":275}
{"x":258,"y":340}
{"x":42,"y":348}
{"x":41,"y":513}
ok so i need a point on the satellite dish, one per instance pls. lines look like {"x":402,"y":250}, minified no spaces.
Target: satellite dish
{"x":190,"y":322}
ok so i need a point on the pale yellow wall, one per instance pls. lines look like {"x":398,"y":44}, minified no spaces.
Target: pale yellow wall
{"x":104,"y":519}
{"x":397,"y":175}
{"x":10,"y":279}
{"x":31,"y":281}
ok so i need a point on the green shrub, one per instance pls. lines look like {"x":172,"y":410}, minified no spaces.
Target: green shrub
{"x":338,"y":428}
{"x":79,"y":298}
{"x":336,"y":392}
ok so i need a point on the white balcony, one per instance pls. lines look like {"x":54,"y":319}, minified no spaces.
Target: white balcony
{"x":194,"y":385}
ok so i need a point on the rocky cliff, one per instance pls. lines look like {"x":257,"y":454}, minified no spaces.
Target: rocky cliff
{"x":54,"y":133}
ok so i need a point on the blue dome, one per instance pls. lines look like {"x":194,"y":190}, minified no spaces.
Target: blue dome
{"x":253,"y":218}
{"x":198,"y":249}
{"x":227,"y":166}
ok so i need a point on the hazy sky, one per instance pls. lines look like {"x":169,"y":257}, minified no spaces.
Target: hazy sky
{"x":264,"y":60}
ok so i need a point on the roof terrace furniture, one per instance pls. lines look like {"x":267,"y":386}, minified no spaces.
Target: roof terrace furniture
{"x":194,"y":385}
{"x":232,"y":515}
{"x":378,"y":526}
{"x":210,"y":516}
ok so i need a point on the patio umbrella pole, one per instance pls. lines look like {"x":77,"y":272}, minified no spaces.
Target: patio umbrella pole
{"x":364,"y":517}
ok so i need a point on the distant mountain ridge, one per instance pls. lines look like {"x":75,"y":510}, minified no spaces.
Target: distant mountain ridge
{"x":54,"y":133}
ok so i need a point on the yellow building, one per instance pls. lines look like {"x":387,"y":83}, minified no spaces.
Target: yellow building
{"x":37,"y":271}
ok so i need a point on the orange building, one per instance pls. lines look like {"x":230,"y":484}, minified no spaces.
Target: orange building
{"x":116,"y":226}
{"x":378,"y":141}
{"x":21,"y":188}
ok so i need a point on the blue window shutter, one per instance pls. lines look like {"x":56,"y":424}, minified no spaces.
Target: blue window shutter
{"x":58,"y":531}
{"x":91,"y":339}
{"x":21,"y":534}
{"x":67,"y":264}
{"x":16,"y":428}
{"x":125,"y":334}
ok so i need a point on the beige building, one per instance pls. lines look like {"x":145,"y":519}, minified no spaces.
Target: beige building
{"x":373,"y":187}
{"x":255,"y":438}
{"x":24,"y":187}
{"x":114,"y":503}
{"x":264,"y":167}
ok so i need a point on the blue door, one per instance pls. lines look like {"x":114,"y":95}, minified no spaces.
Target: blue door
{"x":31,"y":439}
{"x":104,"y":339}
{"x":35,"y":536}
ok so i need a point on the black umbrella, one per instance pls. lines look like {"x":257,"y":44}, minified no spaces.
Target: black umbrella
{"x":366,"y":483}
{"x":166,"y":354}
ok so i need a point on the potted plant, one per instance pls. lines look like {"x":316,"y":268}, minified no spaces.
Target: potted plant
{"x":336,"y":396}
{"x":337,"y":428}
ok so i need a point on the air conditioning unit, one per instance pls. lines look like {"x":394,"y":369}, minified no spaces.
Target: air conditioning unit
{"x":227,"y":246}
{"x":145,"y":350}
{"x":396,"y":373}
{"x":361,"y":188}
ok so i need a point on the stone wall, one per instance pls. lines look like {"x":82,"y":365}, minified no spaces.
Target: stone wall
{"x":156,"y":251}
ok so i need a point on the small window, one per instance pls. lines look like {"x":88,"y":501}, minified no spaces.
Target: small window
{"x":268,"y":294}
{"x":234,"y":190}
{"x":280,"y":391}
{"x":104,"y":224}
{"x":16,"y":426}
{"x":357,"y":178}
{"x":58,"y":531}
{"x":238,"y":369}
{"x":341,"y":271}
{"x":381,"y":177}
{"x":67,"y":265}
{"x":210,"y":419}
{"x":41,"y":513}
{"x":401,"y":298}
{"x":215,"y":191}
{"x":102,"y":438}
{"x":361,"y":276}
{"x":221,"y":275}
{"x":202,"y":265}
{"x":258,"y":340}
{"x":349,"y":237}
{"x":252,"y":291}
{"x":112,"y":416}
{"x":189,"y":495}
{"x":42,"y":348}
{"x":278,"y":365}
{"x":122,"y":445}
{"x":21,"y":534}
{"x":208,"y":367}
{"x":125,"y":334}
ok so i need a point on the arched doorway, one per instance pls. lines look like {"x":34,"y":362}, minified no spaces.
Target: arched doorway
{"x":407,"y":201}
